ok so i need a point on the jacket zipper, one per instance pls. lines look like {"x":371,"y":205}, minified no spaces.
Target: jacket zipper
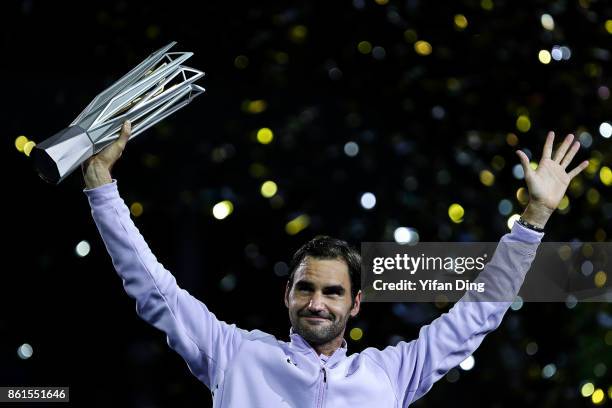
{"x":322,"y":387}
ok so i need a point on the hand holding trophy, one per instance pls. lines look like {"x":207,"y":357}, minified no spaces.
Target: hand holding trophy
{"x":153,"y":90}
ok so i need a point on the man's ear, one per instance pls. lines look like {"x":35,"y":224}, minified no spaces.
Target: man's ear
{"x":287,"y":290}
{"x":356,"y":305}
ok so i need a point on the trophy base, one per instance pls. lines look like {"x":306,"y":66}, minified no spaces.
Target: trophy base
{"x":58,"y":156}
{"x":46,"y":167}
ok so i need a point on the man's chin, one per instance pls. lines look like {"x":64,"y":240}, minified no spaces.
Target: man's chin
{"x":314,"y":333}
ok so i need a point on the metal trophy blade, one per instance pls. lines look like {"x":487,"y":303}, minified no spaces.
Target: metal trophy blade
{"x":153,"y":90}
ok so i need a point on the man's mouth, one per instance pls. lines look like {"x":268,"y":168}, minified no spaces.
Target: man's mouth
{"x":315,"y":318}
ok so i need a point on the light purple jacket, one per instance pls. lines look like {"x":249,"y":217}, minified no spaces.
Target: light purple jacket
{"x":254,"y":369}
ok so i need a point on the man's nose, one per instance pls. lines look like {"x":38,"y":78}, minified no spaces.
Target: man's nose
{"x":316,"y":302}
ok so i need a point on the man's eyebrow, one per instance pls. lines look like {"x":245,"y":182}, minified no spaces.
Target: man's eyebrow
{"x":303,"y":284}
{"x":338,"y":289}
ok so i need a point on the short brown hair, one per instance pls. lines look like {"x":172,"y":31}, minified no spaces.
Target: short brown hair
{"x":324,"y":247}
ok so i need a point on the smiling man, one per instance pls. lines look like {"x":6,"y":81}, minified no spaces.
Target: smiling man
{"x":323,"y":292}
{"x":254,"y":369}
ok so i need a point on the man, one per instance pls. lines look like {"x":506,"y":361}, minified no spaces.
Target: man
{"x":254,"y":369}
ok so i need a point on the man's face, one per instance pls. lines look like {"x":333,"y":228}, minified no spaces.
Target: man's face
{"x":319,"y":301}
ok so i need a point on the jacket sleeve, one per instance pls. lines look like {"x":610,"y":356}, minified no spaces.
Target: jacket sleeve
{"x":204,"y":342}
{"x":413,"y":367}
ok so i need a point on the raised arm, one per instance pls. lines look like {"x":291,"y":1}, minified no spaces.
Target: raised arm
{"x":205,"y":343}
{"x":415,"y":366}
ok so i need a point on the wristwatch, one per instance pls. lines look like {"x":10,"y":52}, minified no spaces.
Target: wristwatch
{"x":528,"y":225}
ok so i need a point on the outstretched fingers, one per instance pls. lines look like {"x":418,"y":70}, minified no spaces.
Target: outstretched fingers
{"x":548,"y":145}
{"x":570,"y":155}
{"x":578,"y":169}
{"x":524,"y":161}
{"x":562,"y":150}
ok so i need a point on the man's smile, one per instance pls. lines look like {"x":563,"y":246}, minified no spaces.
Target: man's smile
{"x":315,"y":318}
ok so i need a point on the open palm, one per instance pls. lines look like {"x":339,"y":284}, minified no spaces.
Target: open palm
{"x":547,"y":184}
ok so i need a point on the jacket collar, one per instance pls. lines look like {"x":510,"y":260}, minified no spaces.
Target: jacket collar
{"x":301,"y":345}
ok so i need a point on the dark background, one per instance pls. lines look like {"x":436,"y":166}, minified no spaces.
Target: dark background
{"x":426,"y":127}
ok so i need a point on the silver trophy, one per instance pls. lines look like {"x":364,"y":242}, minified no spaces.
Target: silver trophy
{"x":153,"y":90}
